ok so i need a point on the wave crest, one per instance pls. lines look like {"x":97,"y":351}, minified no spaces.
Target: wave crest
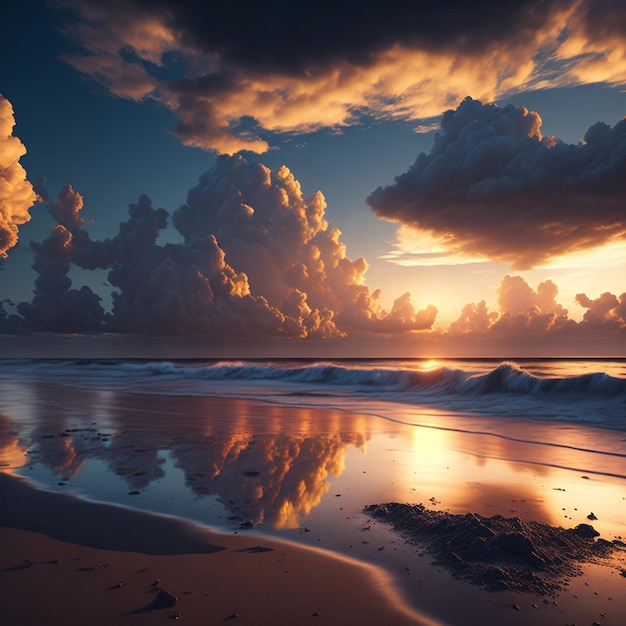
{"x":505,"y":378}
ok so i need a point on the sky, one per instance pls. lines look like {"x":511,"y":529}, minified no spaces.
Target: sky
{"x":421,"y":179}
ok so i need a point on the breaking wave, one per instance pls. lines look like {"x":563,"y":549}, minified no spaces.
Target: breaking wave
{"x":568,"y":391}
{"x":505,"y":378}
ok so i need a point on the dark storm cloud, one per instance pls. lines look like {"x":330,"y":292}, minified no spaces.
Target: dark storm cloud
{"x":293,"y":38}
{"x":298,"y":67}
{"x":493,"y":186}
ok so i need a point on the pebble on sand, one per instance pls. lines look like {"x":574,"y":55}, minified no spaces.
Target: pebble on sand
{"x":163,"y":600}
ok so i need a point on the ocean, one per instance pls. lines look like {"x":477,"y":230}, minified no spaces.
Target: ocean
{"x":585,"y":391}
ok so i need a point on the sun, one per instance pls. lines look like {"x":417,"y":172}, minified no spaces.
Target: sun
{"x":430,"y":365}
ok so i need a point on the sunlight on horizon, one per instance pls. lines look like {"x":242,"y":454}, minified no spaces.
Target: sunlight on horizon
{"x":430,"y":364}
{"x":593,"y":272}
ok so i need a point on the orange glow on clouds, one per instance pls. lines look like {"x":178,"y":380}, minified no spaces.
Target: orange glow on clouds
{"x":400,"y":82}
{"x":414,"y":247}
{"x":16,"y":192}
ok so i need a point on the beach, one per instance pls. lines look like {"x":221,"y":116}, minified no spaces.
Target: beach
{"x":252,"y":509}
{"x":80,"y":562}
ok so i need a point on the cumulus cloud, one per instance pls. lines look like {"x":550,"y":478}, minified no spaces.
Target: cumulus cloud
{"x":281,"y":240}
{"x":172,"y":289}
{"x":474,"y":318}
{"x":606,"y":312}
{"x":493,"y":186}
{"x":16,"y":192}
{"x":10,"y":323}
{"x":516,"y":296}
{"x":237,"y":70}
{"x":66,"y":210}
{"x":258,"y":259}
{"x":55,"y":306}
{"x":523,"y":308}
{"x":520,"y":309}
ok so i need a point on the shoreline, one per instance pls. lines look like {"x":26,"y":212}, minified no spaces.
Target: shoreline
{"x":87,"y":562}
{"x":315,"y":467}
{"x":96,"y":563}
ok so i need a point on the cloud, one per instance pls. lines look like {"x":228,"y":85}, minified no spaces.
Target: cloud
{"x":524,"y":311}
{"x":607,"y":312}
{"x":422,"y":129}
{"x":66,"y":210}
{"x":516,"y":296}
{"x":521,"y":309}
{"x":234,"y":72}
{"x":474,"y":318}
{"x":10,"y":323}
{"x":493,"y":186}
{"x":16,"y":193}
{"x":172,"y":289}
{"x":281,"y":240}
{"x":55,"y":306}
{"x":258,"y":260}
{"x":594,"y":50}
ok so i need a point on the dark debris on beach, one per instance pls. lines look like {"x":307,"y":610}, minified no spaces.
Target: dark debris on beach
{"x":498,"y":553}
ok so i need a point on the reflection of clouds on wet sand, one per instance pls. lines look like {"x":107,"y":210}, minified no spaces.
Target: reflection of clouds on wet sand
{"x":273,"y":464}
{"x":12,"y":452}
{"x":61,"y":454}
{"x":56,"y":443}
{"x":270,"y":478}
{"x":134,"y":458}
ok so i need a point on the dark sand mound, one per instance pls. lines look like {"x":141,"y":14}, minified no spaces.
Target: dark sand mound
{"x":496,"y":552}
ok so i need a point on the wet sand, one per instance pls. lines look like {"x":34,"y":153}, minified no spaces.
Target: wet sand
{"x":302,"y":474}
{"x":70,"y":561}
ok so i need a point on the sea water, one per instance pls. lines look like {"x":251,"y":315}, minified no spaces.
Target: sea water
{"x":585,"y":391}
{"x":300,"y":447}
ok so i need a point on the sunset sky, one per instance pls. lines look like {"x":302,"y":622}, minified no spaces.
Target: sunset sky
{"x":424,"y":179}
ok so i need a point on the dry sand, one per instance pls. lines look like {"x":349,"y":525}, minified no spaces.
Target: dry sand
{"x":69,"y":561}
